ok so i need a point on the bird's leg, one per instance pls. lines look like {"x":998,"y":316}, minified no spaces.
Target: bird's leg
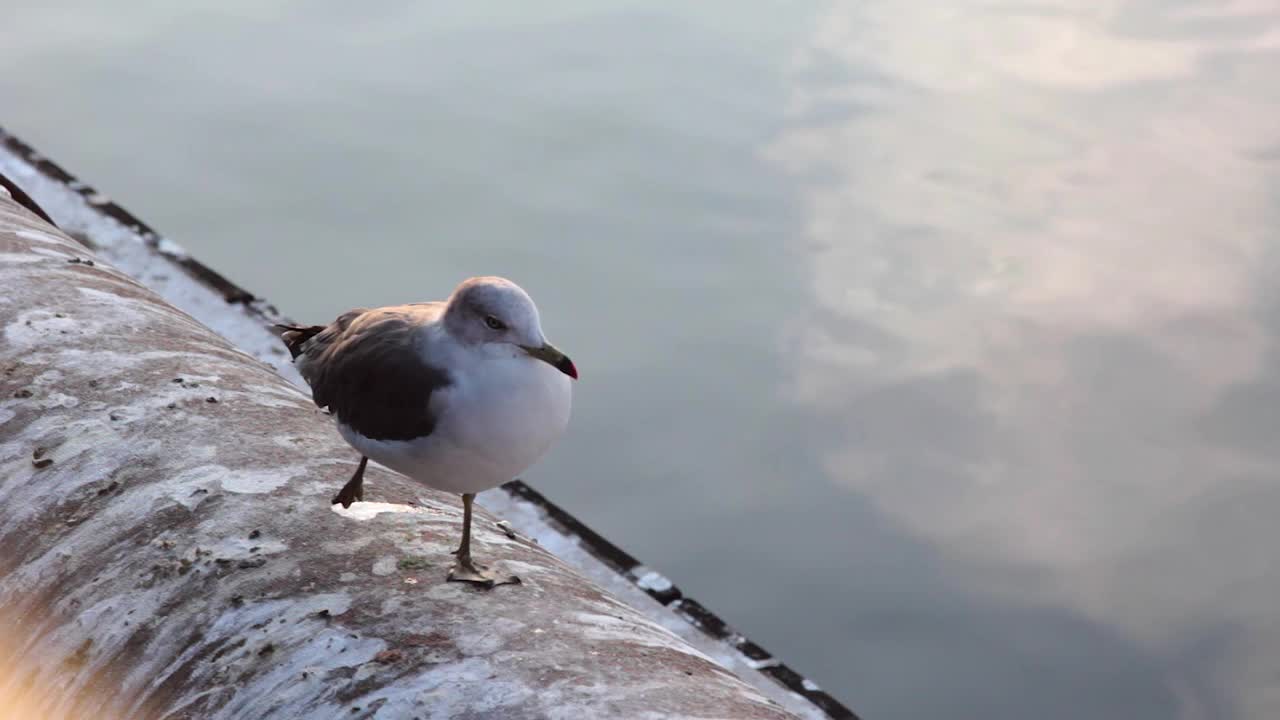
{"x":464,"y":569}
{"x":464,"y":550}
{"x":354,"y":489}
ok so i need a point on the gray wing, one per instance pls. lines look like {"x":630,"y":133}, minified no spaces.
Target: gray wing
{"x":366,"y":368}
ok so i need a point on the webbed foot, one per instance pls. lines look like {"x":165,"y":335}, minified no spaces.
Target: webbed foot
{"x":470,"y":572}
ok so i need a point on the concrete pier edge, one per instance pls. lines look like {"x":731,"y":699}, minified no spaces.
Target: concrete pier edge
{"x":745,"y":657}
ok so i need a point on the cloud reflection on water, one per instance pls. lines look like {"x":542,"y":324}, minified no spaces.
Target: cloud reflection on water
{"x":1041,"y":240}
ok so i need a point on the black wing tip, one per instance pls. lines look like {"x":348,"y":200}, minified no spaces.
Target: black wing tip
{"x":295,"y":336}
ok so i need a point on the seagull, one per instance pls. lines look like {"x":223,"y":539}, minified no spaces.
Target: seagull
{"x":460,"y":395}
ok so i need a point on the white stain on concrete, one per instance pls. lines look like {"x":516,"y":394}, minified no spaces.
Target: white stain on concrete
{"x":169,"y":247}
{"x":40,"y":237}
{"x":19,"y":258}
{"x":31,"y":329}
{"x":384,"y":565}
{"x":58,"y":400}
{"x":651,"y":580}
{"x":370,"y":510}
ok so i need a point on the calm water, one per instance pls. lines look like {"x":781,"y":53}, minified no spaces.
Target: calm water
{"x":934,"y":344}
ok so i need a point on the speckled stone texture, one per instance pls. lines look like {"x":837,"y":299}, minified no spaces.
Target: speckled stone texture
{"x":167,"y":547}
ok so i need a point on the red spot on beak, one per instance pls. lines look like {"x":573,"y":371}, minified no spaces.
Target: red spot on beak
{"x":567,"y":367}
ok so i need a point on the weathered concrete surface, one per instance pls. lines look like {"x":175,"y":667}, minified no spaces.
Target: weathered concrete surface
{"x":244,"y":319}
{"x":167,"y":548}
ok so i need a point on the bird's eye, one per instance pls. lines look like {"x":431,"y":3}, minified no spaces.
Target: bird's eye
{"x":494,"y":323}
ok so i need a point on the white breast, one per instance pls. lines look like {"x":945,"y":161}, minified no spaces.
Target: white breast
{"x":508,"y":409}
{"x":498,"y":416}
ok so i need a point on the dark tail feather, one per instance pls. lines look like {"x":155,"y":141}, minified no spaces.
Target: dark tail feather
{"x":25,"y":200}
{"x":295,"y":336}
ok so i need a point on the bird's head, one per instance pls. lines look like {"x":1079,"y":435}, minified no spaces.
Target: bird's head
{"x":485,"y":310}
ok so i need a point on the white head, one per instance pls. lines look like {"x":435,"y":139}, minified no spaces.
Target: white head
{"x":485,"y":310}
